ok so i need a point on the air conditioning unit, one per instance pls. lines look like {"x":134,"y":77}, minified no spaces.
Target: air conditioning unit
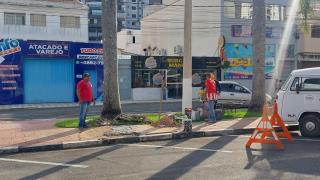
{"x":129,"y":32}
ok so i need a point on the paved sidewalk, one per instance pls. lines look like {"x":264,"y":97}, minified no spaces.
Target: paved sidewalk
{"x":43,"y":132}
{"x":63,"y":105}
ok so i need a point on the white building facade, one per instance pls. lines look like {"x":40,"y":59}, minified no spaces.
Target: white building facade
{"x":44,"y":20}
{"x":129,"y":41}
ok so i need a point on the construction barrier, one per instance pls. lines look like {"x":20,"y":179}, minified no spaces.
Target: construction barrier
{"x":276,"y":121}
{"x":263,"y":131}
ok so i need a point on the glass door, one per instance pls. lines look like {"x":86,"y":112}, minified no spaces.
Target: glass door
{"x":174,"y":83}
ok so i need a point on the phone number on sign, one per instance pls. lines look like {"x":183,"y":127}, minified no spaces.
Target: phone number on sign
{"x":92,"y":62}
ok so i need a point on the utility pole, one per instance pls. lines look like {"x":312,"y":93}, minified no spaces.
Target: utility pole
{"x":187,"y":58}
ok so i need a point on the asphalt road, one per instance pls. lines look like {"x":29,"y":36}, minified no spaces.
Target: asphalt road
{"x":52,"y":113}
{"x":205,"y":158}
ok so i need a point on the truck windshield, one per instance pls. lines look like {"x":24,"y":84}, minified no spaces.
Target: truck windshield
{"x":285,"y":84}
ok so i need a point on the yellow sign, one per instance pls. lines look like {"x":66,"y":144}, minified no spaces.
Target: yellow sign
{"x":240,"y":62}
{"x":175,"y":62}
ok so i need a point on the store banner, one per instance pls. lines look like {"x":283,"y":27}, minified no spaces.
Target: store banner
{"x":11,"y":81}
{"x":173,"y":62}
{"x":240,"y":55}
{"x":89,"y":58}
{"x":48,"y":49}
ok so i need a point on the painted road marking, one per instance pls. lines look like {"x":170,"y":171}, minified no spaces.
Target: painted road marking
{"x":175,"y":147}
{"x":295,"y":139}
{"x":41,"y":162}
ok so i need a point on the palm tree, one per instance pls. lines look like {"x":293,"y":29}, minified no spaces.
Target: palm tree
{"x":258,"y":60}
{"x":111,"y":101}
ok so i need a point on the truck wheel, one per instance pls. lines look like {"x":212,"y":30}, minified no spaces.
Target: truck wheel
{"x":310,"y":125}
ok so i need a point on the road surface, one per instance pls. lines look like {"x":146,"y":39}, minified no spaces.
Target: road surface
{"x":201,"y":158}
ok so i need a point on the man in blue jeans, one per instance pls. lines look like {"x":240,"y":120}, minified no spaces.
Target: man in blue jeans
{"x":85,"y":96}
{"x":212,"y":93}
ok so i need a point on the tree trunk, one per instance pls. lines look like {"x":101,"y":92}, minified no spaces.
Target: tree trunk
{"x":258,"y":59}
{"x":111,"y":101}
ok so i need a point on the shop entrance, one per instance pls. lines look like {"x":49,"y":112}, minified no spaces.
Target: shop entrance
{"x":174,"y":83}
{"x":48,"y":80}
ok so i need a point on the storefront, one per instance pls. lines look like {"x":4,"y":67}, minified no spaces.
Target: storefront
{"x":171,"y":68}
{"x":48,"y":72}
{"x":11,"y":68}
{"x":89,"y":59}
{"x":36,"y":71}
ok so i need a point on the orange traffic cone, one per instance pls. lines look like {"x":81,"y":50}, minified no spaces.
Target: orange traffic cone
{"x":276,"y":121}
{"x":264,"y":128}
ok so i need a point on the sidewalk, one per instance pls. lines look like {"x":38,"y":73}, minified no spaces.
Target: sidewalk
{"x":63,"y":105}
{"x":43,"y":132}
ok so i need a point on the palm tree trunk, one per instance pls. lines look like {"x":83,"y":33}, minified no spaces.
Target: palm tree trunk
{"x":258,"y":60}
{"x":111,"y":101}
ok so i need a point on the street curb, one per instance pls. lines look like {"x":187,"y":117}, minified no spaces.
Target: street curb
{"x":70,"y":105}
{"x":130,"y":139}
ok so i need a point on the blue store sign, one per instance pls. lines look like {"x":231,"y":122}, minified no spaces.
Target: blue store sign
{"x":89,"y":59}
{"x":11,"y":84}
{"x":48,"y":49}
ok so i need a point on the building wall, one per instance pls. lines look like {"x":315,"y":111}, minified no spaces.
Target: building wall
{"x":307,"y":43}
{"x":273,"y":38}
{"x":125,"y":11}
{"x":164,"y":29}
{"x":129,"y":41}
{"x":52,"y":31}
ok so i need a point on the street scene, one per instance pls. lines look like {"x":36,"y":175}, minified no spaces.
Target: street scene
{"x":159,"y":89}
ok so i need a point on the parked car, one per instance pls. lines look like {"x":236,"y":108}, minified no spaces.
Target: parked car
{"x":233,"y":93}
{"x":299,"y":100}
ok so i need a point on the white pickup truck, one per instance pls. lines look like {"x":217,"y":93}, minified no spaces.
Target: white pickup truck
{"x":299,"y":100}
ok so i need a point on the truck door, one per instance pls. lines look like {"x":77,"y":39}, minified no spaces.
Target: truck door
{"x":306,"y":99}
{"x":291,"y":103}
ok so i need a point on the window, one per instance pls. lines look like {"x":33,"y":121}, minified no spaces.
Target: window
{"x":285,"y":84}
{"x":134,"y":16}
{"x":15,"y":18}
{"x":243,"y":10}
{"x":245,"y":31}
{"x":38,"y":20}
{"x":310,"y":84}
{"x":241,"y":31}
{"x":174,"y":76}
{"x":94,"y":21}
{"x":134,"y":8}
{"x":227,"y":87}
{"x":94,"y":4}
{"x":229,"y":9}
{"x":239,"y":89}
{"x":290,"y":51}
{"x":306,"y":84}
{"x":133,"y":23}
{"x":144,"y":78}
{"x":269,"y":32}
{"x":294,"y":84}
{"x":315,"y":31}
{"x":273,"y":12}
{"x":96,"y":12}
{"x":246,"y":10}
{"x":134,"y":0}
{"x":133,"y":39}
{"x":69,"y":22}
